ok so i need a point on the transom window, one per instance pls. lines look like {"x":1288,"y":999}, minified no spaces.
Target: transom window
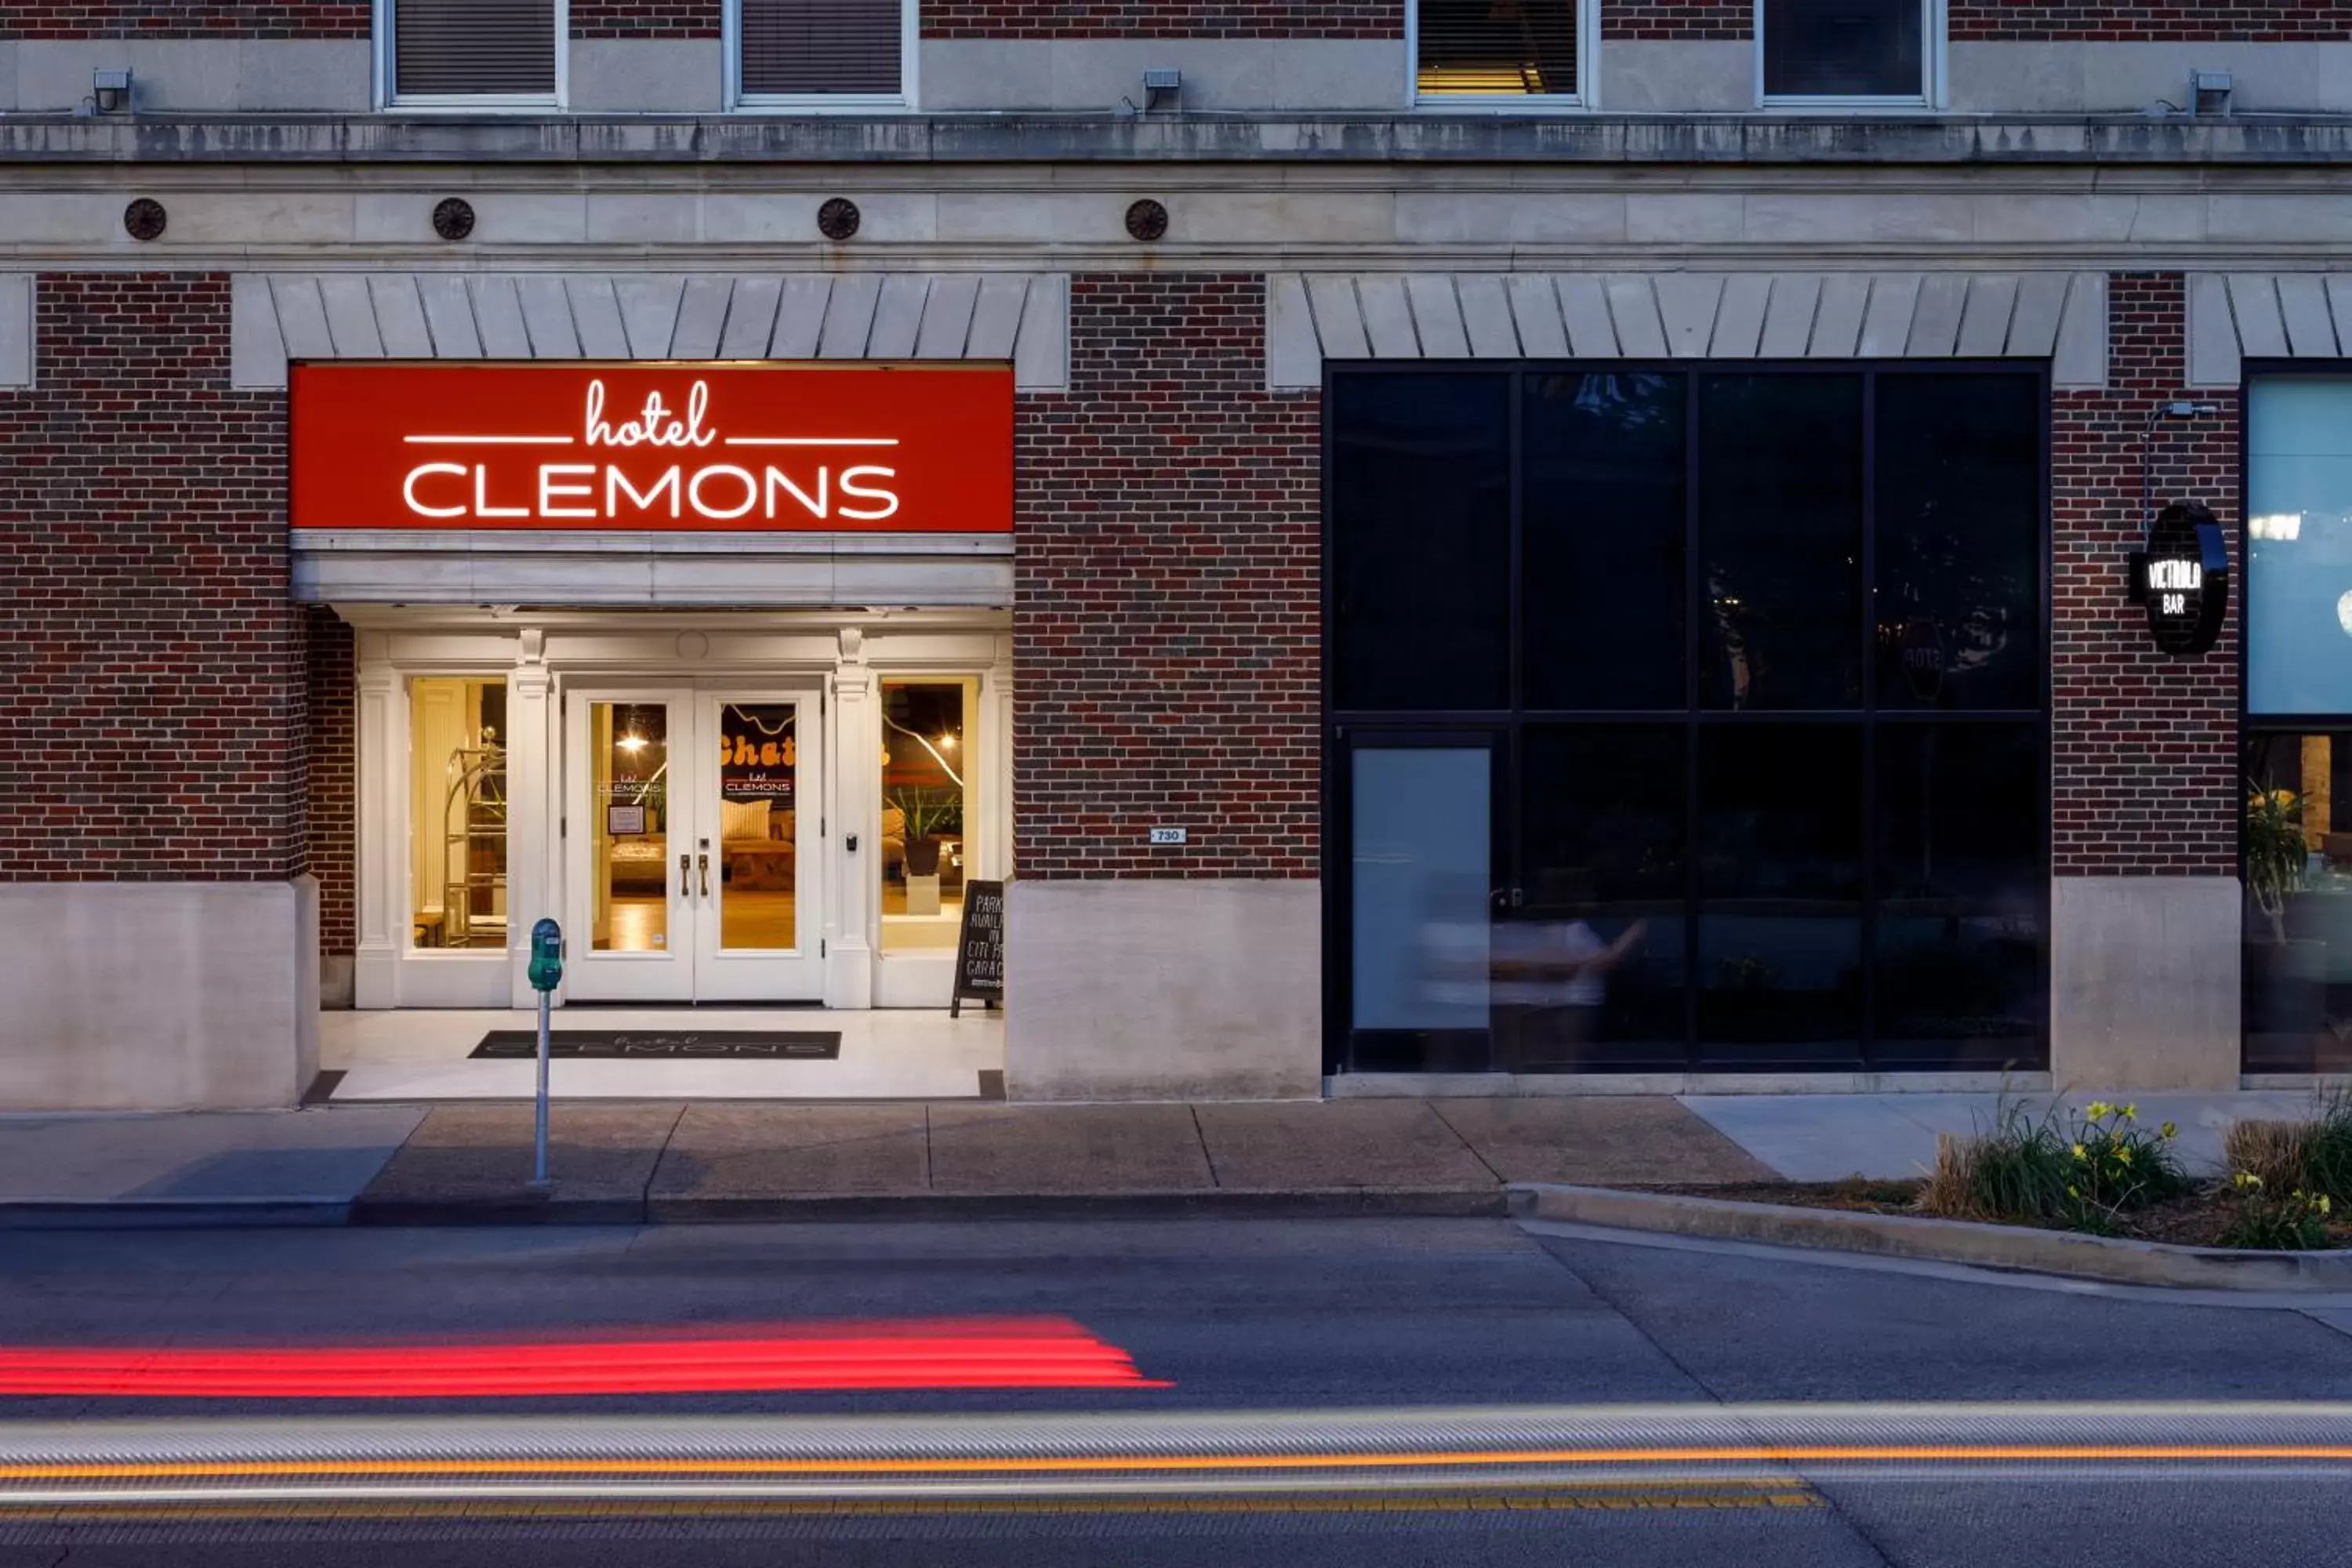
{"x":1472,"y":50}
{"x":1845,"y":48}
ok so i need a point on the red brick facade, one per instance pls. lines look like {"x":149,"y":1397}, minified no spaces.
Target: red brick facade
{"x":185,"y":20}
{"x":2145,"y":21}
{"x":646,"y":18}
{"x":1678,"y":20}
{"x":151,"y":665}
{"x":1166,"y":648}
{"x":331,"y":794}
{"x":1164,"y":19}
{"x":2143,"y":748}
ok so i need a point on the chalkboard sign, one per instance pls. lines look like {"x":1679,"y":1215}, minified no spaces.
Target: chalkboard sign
{"x":980,"y":947}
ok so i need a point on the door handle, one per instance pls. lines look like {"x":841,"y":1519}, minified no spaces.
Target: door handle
{"x":685,"y":877}
{"x":705,"y":859}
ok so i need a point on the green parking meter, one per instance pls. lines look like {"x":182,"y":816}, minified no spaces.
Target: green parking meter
{"x":546,"y":956}
{"x":546,"y":972}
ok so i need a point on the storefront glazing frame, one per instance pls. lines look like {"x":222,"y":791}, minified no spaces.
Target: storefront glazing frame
{"x":1504,"y":730}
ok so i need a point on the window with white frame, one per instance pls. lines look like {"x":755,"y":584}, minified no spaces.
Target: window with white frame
{"x":1846,"y":48}
{"x":821,"y":51}
{"x":471,"y":50}
{"x":1497,"y":50}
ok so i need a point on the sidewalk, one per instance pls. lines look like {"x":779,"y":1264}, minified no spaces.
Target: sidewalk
{"x":711,"y":1161}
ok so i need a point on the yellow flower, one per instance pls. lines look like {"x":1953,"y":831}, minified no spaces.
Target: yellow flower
{"x":2326,"y":1205}
{"x":2170,"y":1131}
{"x":2248,"y":1180}
{"x":2098,"y":1110}
{"x":2123,"y":1156}
{"x":2131,"y":1113}
{"x":2080,"y":1153}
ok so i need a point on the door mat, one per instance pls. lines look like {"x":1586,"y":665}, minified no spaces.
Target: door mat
{"x":689,"y":1044}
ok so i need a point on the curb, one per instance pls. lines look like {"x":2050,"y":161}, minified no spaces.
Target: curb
{"x":2112,"y":1260}
{"x":526,"y":1208}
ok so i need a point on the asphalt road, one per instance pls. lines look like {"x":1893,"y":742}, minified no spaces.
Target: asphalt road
{"x":1236,"y":1316}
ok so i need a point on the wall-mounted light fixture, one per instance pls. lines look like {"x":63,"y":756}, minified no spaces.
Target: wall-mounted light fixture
{"x":2209,"y":93}
{"x":1162,"y":88}
{"x":109,"y":90}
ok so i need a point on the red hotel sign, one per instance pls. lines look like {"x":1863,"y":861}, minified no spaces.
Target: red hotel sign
{"x":790,"y":449}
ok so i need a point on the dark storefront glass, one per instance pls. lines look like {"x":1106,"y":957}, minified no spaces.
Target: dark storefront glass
{"x":1421,"y":529}
{"x":1602,"y":585}
{"x":1602,"y":869}
{"x":1960,"y":873}
{"x":2298,"y":882}
{"x":1779,"y":529}
{"x":1687,"y":719}
{"x":1959,"y":542}
{"x":1779,"y":934}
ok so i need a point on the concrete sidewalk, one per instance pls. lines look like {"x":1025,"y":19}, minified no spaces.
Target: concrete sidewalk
{"x":629,"y":1162}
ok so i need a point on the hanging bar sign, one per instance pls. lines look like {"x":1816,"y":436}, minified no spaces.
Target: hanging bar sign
{"x":2182,"y":580}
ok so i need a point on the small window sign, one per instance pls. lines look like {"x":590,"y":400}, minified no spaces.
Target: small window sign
{"x":1168,"y":836}
{"x":622,"y":819}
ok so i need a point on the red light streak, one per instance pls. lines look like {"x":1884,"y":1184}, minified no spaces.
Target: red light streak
{"x":1023,"y":1353}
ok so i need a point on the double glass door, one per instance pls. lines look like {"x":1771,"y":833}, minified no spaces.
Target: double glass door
{"x":692,"y":825}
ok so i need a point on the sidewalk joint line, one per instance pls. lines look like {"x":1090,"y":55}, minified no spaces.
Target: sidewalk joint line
{"x":1465,"y":1142}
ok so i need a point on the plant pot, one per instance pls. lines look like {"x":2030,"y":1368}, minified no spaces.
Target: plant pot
{"x":923,"y":893}
{"x":2286,"y":987}
{"x":923,"y":858}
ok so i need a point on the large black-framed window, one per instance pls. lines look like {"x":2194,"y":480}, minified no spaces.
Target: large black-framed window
{"x":1752,"y":661}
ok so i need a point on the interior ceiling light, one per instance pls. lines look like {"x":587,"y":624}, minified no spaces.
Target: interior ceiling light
{"x":631,"y":742}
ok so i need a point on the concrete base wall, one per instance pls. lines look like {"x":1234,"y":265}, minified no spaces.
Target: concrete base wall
{"x":187,"y":76}
{"x":1163,"y":990}
{"x":158,"y":996}
{"x":663,"y":75}
{"x":2144,"y":980}
{"x":336,"y":980}
{"x":1679,"y":77}
{"x":1219,"y":73}
{"x":2108,"y":77}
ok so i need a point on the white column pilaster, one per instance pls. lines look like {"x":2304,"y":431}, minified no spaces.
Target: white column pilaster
{"x":854,"y":795}
{"x":534,"y":851}
{"x":381,"y":877}
{"x":996,"y":848}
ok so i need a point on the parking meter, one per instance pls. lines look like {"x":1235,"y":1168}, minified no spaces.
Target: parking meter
{"x":546,"y":956}
{"x":546,"y":971}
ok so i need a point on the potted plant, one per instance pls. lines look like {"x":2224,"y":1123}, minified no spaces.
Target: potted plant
{"x":929,"y":814}
{"x":2286,"y":978}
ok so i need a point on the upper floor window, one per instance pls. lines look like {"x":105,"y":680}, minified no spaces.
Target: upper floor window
{"x":823,"y":53}
{"x":473,"y":50}
{"x":1499,"y":50}
{"x":1845,"y":48}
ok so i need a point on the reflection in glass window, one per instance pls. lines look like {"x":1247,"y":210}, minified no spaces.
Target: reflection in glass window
{"x":1780,"y":484}
{"x":926,"y":849}
{"x":457,"y":811}
{"x":1959,"y":542}
{"x":1844,"y":49}
{"x":2299,"y":546}
{"x":759,"y":826}
{"x":1421,"y":541}
{"x":1602,"y":588}
{"x":2297,"y":872}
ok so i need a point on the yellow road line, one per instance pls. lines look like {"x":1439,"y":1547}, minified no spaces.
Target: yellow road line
{"x":656,"y":1468}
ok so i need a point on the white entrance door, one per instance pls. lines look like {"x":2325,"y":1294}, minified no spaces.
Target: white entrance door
{"x":691,"y":832}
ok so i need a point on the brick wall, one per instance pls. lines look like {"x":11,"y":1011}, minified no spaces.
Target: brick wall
{"x":2143,"y":748}
{"x":1166,"y":644}
{"x":1683,"y":20}
{"x":646,"y":18}
{"x":332,"y":801}
{"x":2145,"y":21}
{"x":150,"y":686}
{"x":1164,"y":19}
{"x":184,"y":19}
